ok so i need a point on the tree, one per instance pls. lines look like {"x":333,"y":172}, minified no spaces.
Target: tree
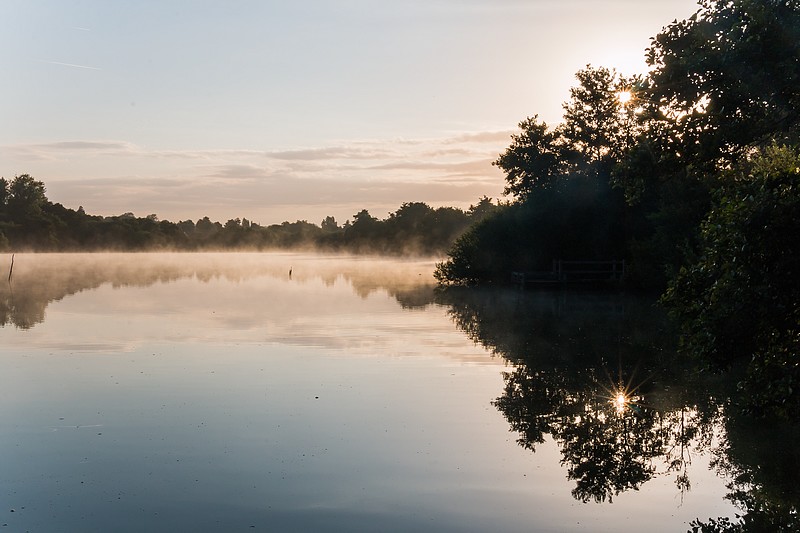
{"x":25,"y":198}
{"x":739,"y":301}
{"x":187,"y":227}
{"x":206,"y":227}
{"x":533,"y":161}
{"x":565,"y":205}
{"x":597,"y":130}
{"x":482,"y":209}
{"x":723,"y":84}
{"x":726,"y":79}
{"x":596,"y":133}
{"x":410,"y":224}
{"x":329,"y":224}
{"x":364,"y":226}
{"x":501,"y":243}
{"x":363,"y":218}
{"x":3,"y":196}
{"x":598,"y":122}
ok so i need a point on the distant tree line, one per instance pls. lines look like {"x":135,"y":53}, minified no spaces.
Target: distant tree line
{"x":29,"y":221}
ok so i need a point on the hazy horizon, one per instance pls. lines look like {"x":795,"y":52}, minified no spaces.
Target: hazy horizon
{"x":292,"y":111}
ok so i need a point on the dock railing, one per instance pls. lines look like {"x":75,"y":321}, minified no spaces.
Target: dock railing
{"x":574,"y":272}
{"x":612,"y":270}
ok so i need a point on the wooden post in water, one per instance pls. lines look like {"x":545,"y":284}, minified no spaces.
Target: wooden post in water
{"x":11,"y":270}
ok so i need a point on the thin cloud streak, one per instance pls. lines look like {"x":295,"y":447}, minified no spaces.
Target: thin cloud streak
{"x":73,"y":65}
{"x":481,"y":137}
{"x":335,"y":152}
{"x":54,"y":151}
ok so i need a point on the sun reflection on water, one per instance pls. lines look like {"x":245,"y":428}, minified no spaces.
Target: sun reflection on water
{"x":622,"y":401}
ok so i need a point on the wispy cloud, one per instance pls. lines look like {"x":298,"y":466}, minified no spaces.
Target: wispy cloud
{"x":332,"y":152}
{"x":458,"y":168}
{"x":265,"y":185}
{"x":101,"y":146}
{"x":52,"y":151}
{"x":208,"y":155}
{"x":73,"y":65}
{"x":480,"y":137}
{"x":238,"y":172}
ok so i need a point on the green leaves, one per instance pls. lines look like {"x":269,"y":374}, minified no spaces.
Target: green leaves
{"x":739,"y":301}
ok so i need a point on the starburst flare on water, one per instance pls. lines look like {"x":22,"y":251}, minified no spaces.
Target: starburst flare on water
{"x":623,"y":400}
{"x":619,"y":402}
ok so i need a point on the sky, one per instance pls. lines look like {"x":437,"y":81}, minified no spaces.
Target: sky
{"x":294,"y":109}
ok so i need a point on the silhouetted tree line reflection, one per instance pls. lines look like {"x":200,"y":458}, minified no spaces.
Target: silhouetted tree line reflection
{"x":600,"y":375}
{"x":40,"y":279}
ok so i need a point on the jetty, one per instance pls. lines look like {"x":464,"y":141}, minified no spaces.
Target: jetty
{"x":573,"y":272}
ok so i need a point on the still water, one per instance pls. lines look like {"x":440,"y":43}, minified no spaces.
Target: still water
{"x":217,"y":392}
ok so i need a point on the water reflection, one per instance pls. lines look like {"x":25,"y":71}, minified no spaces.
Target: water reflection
{"x":607,"y":450}
{"x":40,"y":279}
{"x":598,"y":373}
{"x":761,"y":461}
{"x":570,"y":356}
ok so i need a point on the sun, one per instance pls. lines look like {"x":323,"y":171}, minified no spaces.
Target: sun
{"x":624,"y":97}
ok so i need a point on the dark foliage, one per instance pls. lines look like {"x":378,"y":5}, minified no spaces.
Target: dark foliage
{"x":571,"y":353}
{"x":739,"y":300}
{"x":704,"y":151}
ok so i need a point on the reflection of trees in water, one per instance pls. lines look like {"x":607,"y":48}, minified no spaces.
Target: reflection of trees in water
{"x":23,"y":312}
{"x":571,"y":354}
{"x":608,"y":448}
{"x":39,"y":279}
{"x":761,"y":462}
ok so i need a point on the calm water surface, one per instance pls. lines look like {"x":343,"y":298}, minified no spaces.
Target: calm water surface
{"x":214,"y":392}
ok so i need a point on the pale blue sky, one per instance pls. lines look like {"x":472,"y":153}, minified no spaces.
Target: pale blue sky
{"x":276,"y":110}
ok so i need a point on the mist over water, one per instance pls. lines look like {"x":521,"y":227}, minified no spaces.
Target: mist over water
{"x":217,"y":392}
{"x":39,"y":279}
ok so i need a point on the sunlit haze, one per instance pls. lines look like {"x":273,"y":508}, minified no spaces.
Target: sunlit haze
{"x":292,"y":110}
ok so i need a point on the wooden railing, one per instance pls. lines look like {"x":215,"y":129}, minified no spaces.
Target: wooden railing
{"x":574,"y":272}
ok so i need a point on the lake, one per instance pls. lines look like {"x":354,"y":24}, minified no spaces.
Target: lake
{"x":220,"y":392}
